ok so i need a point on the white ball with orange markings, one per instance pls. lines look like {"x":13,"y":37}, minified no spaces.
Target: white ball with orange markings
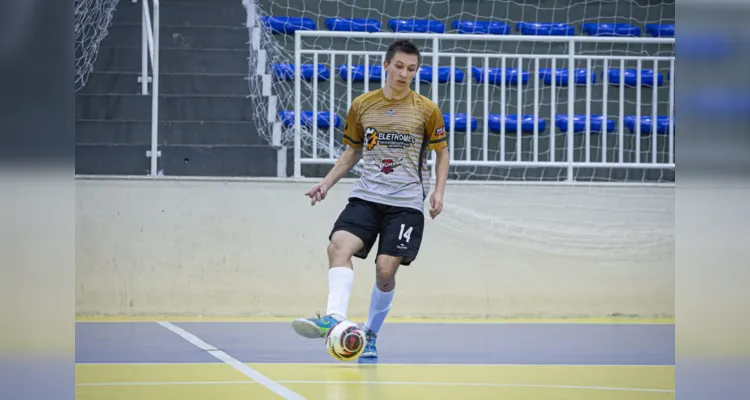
{"x":345,"y":341}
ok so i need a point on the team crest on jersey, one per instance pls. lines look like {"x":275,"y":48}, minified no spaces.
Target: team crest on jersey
{"x":372,"y":138}
{"x":391,"y":140}
{"x":388,"y":165}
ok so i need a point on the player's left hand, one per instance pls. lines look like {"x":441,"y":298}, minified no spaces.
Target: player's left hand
{"x":317,"y":193}
{"x":436,"y":204}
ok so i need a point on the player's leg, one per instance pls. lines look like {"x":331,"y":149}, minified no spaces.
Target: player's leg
{"x":341,"y":249}
{"x":353,"y":234}
{"x":380,"y":300}
{"x":400,"y":240}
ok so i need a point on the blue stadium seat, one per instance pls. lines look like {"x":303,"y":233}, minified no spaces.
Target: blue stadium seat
{"x":481,"y":27}
{"x":511,"y":123}
{"x":546,"y":29}
{"x":579,"y":123}
{"x":353,"y":24}
{"x":460,"y":122}
{"x":307,"y":71}
{"x":358,"y":72}
{"x":287,"y":25}
{"x":662,"y":124}
{"x":631,"y":78}
{"x":495,"y":75}
{"x":416,"y":25}
{"x":660,"y":30}
{"x":444,"y":74}
{"x":287,"y":117}
{"x":561,"y":76}
{"x":593,"y":29}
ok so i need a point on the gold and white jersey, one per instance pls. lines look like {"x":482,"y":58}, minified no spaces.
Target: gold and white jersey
{"x":397,"y":136}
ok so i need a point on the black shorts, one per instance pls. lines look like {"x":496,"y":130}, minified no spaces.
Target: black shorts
{"x":400,"y":228}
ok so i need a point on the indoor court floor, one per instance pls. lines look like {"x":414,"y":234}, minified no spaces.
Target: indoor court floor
{"x":192,"y":359}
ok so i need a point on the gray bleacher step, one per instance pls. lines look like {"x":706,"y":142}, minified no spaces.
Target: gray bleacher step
{"x":112,"y":159}
{"x":169,"y":83}
{"x":185,"y":36}
{"x":173,"y":59}
{"x":121,"y":159}
{"x":170,"y":132}
{"x":171,"y":107}
{"x":218,"y":160}
{"x":217,"y":13}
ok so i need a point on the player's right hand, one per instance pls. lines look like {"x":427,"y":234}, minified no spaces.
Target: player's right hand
{"x":317,"y":193}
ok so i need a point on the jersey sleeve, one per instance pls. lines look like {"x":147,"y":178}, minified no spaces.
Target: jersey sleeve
{"x":353,"y":132}
{"x":435,"y":130}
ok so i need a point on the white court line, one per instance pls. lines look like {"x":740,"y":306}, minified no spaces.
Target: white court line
{"x":354,"y":364}
{"x":474,"y":384}
{"x":234,"y":363}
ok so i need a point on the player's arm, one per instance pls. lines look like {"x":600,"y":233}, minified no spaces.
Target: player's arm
{"x":438,"y":141}
{"x":348,"y":159}
{"x":354,"y":136}
{"x":442,"y":163}
{"x":354,"y":139}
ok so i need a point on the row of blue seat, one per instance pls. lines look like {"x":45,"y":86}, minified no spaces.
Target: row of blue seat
{"x":596,"y":122}
{"x":288,"y":25}
{"x":307,"y":72}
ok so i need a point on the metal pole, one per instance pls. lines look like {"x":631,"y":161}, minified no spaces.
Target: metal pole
{"x":155,"y":95}
{"x":571,"y":104}
{"x":298,"y":105}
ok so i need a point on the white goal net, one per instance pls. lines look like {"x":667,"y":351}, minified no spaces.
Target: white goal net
{"x":92,"y":20}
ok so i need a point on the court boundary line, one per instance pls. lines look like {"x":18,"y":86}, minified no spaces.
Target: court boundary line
{"x":360,"y":365}
{"x":385,"y":383}
{"x":393,"y":320}
{"x":243,"y":368}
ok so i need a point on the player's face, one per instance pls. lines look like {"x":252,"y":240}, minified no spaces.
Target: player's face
{"x":401,"y":70}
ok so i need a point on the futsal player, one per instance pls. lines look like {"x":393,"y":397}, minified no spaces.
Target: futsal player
{"x":391,"y":130}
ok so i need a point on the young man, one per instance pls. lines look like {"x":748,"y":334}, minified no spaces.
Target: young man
{"x":392,"y":130}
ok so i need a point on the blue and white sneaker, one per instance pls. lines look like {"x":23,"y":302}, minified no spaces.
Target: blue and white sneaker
{"x":314,"y":328}
{"x":371,"y":349}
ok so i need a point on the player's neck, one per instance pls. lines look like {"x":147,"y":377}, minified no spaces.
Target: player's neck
{"x":391,"y":94}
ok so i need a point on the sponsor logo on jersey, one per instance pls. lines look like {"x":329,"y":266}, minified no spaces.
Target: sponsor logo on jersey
{"x":440,"y":132}
{"x":388,"y":165}
{"x":390,"y":113}
{"x":391,"y":140}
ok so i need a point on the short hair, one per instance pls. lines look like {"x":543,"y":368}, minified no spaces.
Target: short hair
{"x":402,"y":46}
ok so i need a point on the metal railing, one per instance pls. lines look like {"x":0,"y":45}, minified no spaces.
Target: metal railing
{"x":433,"y":57}
{"x":150,"y":56}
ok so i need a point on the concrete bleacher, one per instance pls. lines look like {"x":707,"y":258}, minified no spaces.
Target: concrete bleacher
{"x":205,"y":124}
{"x":455,"y":17}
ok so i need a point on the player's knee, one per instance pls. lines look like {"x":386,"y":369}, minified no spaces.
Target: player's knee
{"x":385,"y":275}
{"x":338,"y":255}
{"x":385,"y":280}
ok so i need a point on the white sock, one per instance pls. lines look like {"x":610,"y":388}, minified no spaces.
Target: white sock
{"x":380,"y":304}
{"x":340,"y":280}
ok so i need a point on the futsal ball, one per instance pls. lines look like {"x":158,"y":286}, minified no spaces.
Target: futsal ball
{"x":345,"y":341}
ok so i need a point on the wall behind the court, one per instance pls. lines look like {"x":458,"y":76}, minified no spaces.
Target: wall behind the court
{"x":258,"y":248}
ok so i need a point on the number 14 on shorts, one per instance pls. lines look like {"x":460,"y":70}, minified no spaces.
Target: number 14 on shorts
{"x":405,"y":233}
